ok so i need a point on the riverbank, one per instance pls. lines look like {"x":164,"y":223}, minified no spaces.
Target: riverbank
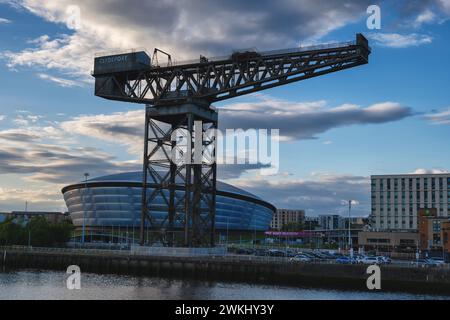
{"x":229,"y":268}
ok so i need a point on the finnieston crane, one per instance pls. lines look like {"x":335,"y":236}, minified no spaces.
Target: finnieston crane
{"x":177,"y":96}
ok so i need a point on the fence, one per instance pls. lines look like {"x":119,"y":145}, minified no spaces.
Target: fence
{"x":178,"y":252}
{"x":219,"y":253}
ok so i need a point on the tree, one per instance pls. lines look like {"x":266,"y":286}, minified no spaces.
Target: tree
{"x":61,"y":232}
{"x":11,"y":233}
{"x":39,"y":230}
{"x":43,"y":233}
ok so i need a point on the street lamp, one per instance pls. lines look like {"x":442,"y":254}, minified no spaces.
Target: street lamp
{"x":86,"y":175}
{"x":228,"y":220}
{"x":349,"y":223}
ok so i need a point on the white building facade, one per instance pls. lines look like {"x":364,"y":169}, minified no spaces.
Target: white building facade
{"x":285,"y":216}
{"x":396,"y":199}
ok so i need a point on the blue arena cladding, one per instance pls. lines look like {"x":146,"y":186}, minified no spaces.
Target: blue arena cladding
{"x":115,"y":200}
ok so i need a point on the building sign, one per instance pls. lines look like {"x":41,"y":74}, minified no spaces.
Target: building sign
{"x":288,"y":234}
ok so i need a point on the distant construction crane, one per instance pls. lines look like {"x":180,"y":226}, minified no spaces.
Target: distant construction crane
{"x":179,"y":95}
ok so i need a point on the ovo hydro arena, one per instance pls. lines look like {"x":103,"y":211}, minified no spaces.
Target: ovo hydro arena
{"x":112,"y":204}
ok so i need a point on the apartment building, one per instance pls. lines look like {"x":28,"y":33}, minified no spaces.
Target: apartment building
{"x":397,"y":199}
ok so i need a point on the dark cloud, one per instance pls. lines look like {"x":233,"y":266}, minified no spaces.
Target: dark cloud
{"x":13,"y":135}
{"x":234,"y":171}
{"x":183,"y":28}
{"x":54,"y":164}
{"x":307,"y":120}
{"x":321,"y":194}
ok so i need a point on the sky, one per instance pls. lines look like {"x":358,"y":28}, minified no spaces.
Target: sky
{"x":389,"y":116}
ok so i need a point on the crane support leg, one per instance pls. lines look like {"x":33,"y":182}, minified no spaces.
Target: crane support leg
{"x":179,"y":175}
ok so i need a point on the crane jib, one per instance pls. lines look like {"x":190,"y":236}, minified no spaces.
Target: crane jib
{"x":131,"y":77}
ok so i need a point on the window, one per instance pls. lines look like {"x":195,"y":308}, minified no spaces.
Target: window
{"x":380,"y":241}
{"x":407,"y":242}
{"x":436,"y":226}
{"x":437,"y":238}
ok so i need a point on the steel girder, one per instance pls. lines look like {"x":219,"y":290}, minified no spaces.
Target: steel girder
{"x":223,"y":79}
{"x":187,"y":188}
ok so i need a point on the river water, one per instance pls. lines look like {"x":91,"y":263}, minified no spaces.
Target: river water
{"x":45,"y":285}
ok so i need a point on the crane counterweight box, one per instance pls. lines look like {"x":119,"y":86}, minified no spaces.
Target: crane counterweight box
{"x":133,"y":61}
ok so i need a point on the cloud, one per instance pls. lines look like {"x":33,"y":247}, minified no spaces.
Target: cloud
{"x":430,"y":171}
{"x":416,"y":13}
{"x":305,"y":120}
{"x":2,"y":117}
{"x":321,"y":193}
{"x":235,"y":171}
{"x":37,"y":154}
{"x":441,"y":117}
{"x":396,"y":40}
{"x":107,"y":26}
{"x":425,"y":17}
{"x":24,"y":119}
{"x":126,"y":128}
{"x":71,"y":55}
{"x":65,"y":83}
{"x":445,"y":5}
{"x":4,"y":21}
{"x":38,"y":199}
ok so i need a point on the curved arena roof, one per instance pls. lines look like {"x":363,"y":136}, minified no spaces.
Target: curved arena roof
{"x":135,"y":179}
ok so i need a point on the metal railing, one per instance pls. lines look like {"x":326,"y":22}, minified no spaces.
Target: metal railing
{"x":270,"y":52}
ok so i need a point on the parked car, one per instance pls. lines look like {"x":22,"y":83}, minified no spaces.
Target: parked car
{"x":260,"y":252}
{"x":300,"y":258}
{"x":370,"y":260}
{"x":437,"y":261}
{"x":345,"y":260}
{"x":320,"y":255}
{"x":309,"y":255}
{"x":244,"y":251}
{"x":359,"y":258}
{"x":290,"y":254}
{"x":329,"y":256}
{"x":424,"y":263}
{"x":276,"y":253}
{"x":385,"y":260}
